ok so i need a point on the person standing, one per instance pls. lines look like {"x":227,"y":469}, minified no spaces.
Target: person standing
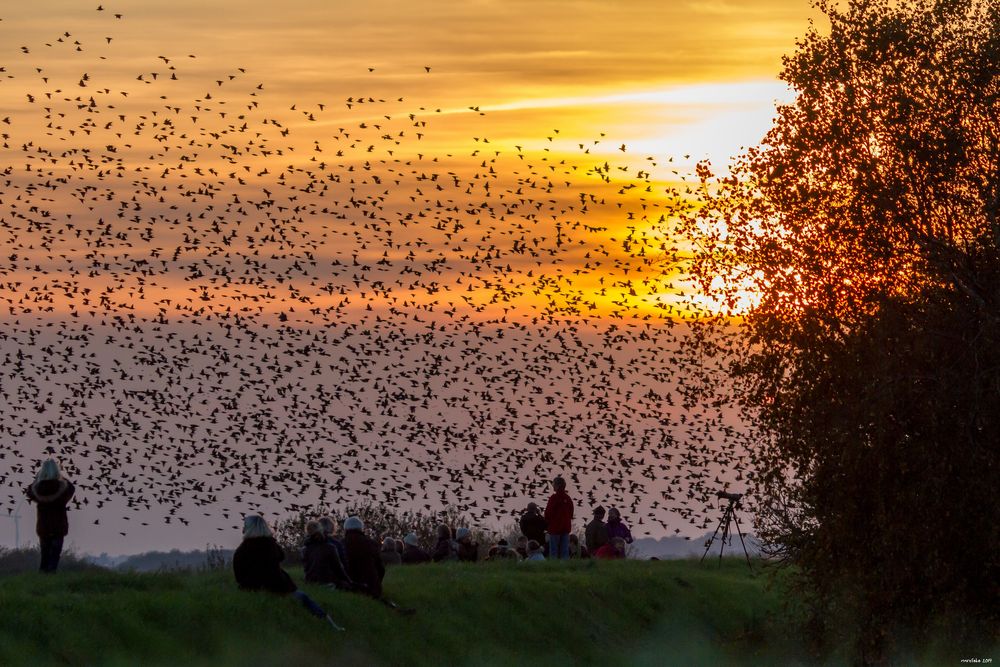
{"x":532,"y":524}
{"x":617,"y":527}
{"x":597,"y":531}
{"x":559,"y":520}
{"x":51,"y":491}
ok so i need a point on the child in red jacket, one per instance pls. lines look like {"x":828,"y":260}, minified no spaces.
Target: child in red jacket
{"x":559,"y":519}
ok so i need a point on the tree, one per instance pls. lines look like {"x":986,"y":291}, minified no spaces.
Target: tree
{"x":866,"y":228}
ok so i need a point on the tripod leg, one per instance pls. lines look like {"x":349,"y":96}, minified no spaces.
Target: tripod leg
{"x":712,"y":539}
{"x":739,"y":531}
{"x":727,"y":517}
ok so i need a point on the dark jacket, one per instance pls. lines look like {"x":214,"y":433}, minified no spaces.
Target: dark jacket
{"x":256,"y":564}
{"x":445,"y":549}
{"x":415,"y":555}
{"x":321,"y":562}
{"x":364,"y":564}
{"x":596,"y":535}
{"x":533,"y":526}
{"x":559,"y":514}
{"x":468,"y":552}
{"x":617,"y":528}
{"x":390,"y":557}
{"x":52,"y":496}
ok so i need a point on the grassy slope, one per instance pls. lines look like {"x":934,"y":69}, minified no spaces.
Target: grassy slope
{"x":643,"y":613}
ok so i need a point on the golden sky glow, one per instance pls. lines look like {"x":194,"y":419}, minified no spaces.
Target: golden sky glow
{"x":331,"y":166}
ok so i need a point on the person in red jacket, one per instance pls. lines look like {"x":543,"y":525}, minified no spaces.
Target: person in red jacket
{"x":613,"y":550}
{"x":559,"y":520}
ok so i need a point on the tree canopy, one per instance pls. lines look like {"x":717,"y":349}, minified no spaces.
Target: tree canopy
{"x":866,"y":227}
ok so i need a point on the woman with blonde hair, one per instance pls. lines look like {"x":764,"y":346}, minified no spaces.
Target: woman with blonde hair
{"x":257,"y":566}
{"x":52,"y":493}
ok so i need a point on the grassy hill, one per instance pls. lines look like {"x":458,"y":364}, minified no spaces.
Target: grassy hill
{"x":586,"y":612}
{"x":578,"y":613}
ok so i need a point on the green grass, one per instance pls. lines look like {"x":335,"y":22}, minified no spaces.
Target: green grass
{"x":577,"y":613}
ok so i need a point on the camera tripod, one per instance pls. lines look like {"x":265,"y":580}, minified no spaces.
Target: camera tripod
{"x":728,"y":517}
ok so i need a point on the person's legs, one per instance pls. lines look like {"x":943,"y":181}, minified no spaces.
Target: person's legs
{"x":55,"y":553}
{"x":309,"y":604}
{"x":564,"y":546}
{"x":50,"y":548}
{"x":43,"y":549}
{"x":553,"y":546}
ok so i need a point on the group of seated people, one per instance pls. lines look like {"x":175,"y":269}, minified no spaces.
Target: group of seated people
{"x":355,"y":562}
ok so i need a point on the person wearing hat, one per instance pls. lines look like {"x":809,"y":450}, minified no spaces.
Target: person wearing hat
{"x":468,"y":551}
{"x":364,"y":564}
{"x":412,"y":553}
{"x":52,"y":492}
{"x":389,"y":554}
{"x":596,"y":535}
{"x":532,"y":524}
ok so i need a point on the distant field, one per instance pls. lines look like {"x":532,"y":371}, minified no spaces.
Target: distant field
{"x":584,"y":612}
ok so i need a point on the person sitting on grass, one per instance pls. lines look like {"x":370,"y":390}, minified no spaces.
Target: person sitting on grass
{"x":446,"y":549}
{"x":577,"y":550}
{"x":52,"y":493}
{"x":468,"y":551}
{"x":389,"y":555}
{"x":329,"y":526}
{"x":534,"y":551}
{"x":521,"y":546}
{"x":257,"y":566}
{"x":364,"y":565}
{"x":502,"y":551}
{"x":617,"y":527}
{"x":613,"y":550}
{"x":412,"y":553}
{"x":321,"y":560}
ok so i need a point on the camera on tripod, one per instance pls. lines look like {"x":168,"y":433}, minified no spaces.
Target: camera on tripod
{"x":729,"y":518}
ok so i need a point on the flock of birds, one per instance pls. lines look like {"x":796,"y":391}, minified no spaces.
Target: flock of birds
{"x":214,"y":305}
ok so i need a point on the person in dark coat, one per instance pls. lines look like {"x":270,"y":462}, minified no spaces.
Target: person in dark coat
{"x":364,"y":565}
{"x":446,"y":549}
{"x":52,"y":493}
{"x":559,"y":520}
{"x":329,"y":526}
{"x":468,"y":551}
{"x":257,"y":566}
{"x":617,"y":527}
{"x":532,"y":524}
{"x":596,"y":534}
{"x":389,"y":555}
{"x":412,"y":553}
{"x":321,"y":560}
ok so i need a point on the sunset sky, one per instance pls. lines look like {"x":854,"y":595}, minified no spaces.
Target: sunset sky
{"x":527,"y":96}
